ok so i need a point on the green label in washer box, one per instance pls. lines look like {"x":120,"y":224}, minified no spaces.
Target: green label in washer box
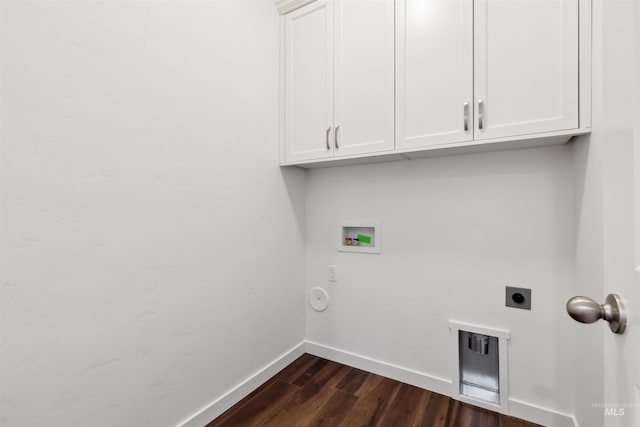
{"x":364,"y":239}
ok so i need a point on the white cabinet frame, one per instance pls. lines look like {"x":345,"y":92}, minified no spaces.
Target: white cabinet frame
{"x":443,"y":147}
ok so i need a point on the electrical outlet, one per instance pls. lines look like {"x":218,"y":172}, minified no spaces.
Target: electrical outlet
{"x":518,"y":297}
{"x":332,"y":273}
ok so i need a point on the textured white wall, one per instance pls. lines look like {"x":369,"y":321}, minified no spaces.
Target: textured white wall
{"x":455,"y":231}
{"x":152,"y":250}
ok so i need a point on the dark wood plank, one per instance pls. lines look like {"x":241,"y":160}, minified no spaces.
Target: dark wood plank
{"x":316,"y":392}
{"x":319,"y":380}
{"x":471,"y":416}
{"x":402,"y":411}
{"x":259,"y":407}
{"x":294,"y":370}
{"x":452,"y":414}
{"x":372,"y":405}
{"x":507,"y":421}
{"x":314,"y":368}
{"x":435,"y":414}
{"x":334,"y":410}
{"x":369,"y":384}
{"x":353,"y":381}
{"x":421,"y":408}
{"x":238,"y":406}
{"x":303,"y":405}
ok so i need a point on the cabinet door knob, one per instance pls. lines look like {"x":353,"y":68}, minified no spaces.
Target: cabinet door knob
{"x":327,"y":138}
{"x":466,"y":116}
{"x":480,"y":114}
{"x":335,"y":137}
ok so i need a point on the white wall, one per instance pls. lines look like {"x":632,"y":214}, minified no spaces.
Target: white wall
{"x":455,"y":231}
{"x":152,"y":250}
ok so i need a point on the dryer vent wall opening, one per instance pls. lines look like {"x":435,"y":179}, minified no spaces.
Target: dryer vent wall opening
{"x":479,"y":366}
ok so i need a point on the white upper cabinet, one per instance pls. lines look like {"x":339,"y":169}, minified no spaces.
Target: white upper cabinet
{"x":363,"y":76}
{"x":393,"y":79}
{"x":434,"y":66}
{"x":308,"y":82}
{"x":526,"y":67}
{"x":338,"y":79}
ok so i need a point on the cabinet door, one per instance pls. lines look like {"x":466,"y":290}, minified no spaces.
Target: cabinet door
{"x":526,"y":67}
{"x":434,"y":48}
{"x":364,"y":76}
{"x":308,"y":92}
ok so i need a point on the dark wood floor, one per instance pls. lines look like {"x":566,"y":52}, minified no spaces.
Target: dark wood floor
{"x":317,"y":392}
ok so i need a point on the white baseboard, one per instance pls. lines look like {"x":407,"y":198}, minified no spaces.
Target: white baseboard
{"x":398,"y":373}
{"x":539,"y":415}
{"x":239,"y":392}
{"x":518,"y":409}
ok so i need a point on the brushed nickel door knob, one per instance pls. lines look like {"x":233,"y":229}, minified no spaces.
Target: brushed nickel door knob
{"x":586,"y":310}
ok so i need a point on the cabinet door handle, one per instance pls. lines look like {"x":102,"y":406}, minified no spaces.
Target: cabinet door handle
{"x":335,"y":137}
{"x":480,"y":114}
{"x":327,"y":138}
{"x":466,"y":116}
